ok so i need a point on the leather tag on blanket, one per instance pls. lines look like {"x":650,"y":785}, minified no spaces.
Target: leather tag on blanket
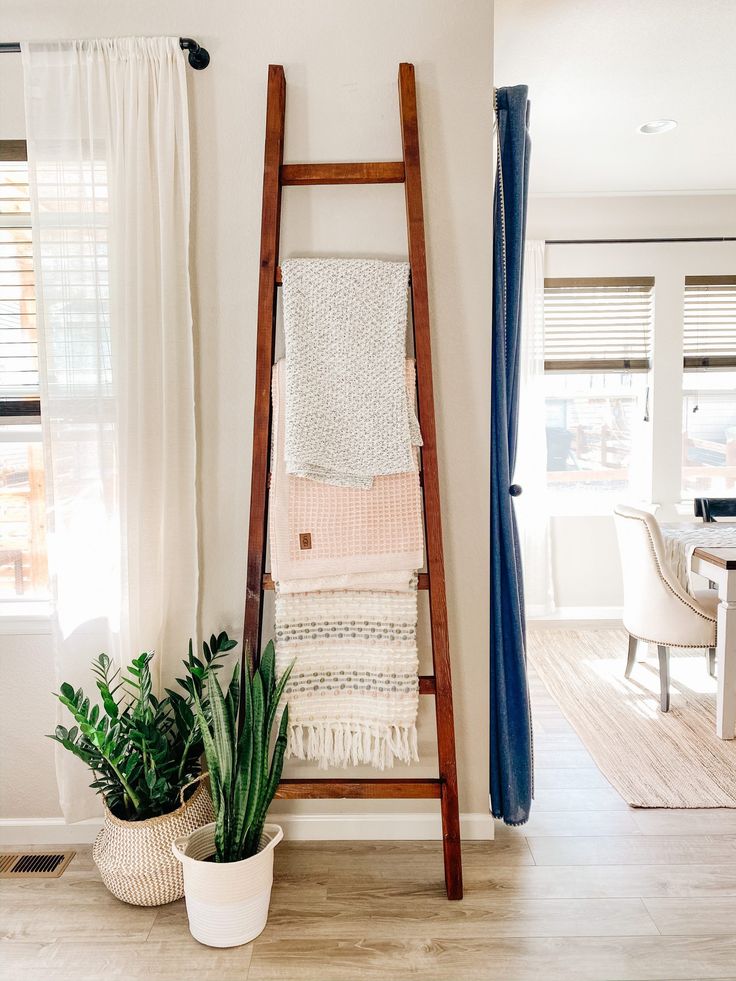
{"x":305,"y":540}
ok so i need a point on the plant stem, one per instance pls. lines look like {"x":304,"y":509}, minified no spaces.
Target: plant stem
{"x":185,"y":755}
{"x":134,"y":798}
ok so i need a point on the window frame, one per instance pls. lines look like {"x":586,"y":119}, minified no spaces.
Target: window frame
{"x":17,"y":408}
{"x":595,"y":500}
{"x":706,"y":362}
{"x":21,"y":614}
{"x":638,"y":284}
{"x":699,"y":364}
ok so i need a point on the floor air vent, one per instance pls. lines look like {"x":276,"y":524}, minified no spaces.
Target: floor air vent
{"x":34,"y":865}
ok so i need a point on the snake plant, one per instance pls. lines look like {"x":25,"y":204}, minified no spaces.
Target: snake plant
{"x":244,"y":773}
{"x":141,"y":749}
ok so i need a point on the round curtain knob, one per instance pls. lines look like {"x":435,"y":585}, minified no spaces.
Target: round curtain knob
{"x":515,"y":490}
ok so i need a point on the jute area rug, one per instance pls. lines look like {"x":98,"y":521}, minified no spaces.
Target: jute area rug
{"x":652,"y":759}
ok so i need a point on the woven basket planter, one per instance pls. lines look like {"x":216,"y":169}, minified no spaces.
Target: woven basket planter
{"x":135,"y":858}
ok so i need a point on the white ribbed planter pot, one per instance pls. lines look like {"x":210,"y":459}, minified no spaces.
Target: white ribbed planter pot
{"x":227,"y":903}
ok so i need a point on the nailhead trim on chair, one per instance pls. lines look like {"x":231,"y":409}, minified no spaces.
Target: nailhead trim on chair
{"x":695,"y":610}
{"x":648,"y":640}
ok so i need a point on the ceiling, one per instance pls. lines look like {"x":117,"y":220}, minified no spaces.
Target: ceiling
{"x":598,"y":69}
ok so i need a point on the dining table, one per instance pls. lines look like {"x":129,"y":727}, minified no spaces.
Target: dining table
{"x":708,"y":550}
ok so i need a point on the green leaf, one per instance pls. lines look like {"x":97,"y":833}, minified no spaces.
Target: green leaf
{"x":210,"y":752}
{"x":225,"y":644}
{"x":276,"y":698}
{"x":107,"y":700}
{"x":233,"y":693}
{"x":222,"y":733}
{"x":260,"y":749}
{"x":267,"y":669}
{"x":244,"y":768}
{"x":274,"y":778}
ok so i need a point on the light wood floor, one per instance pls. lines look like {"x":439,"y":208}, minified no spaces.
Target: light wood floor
{"x":589,"y":890}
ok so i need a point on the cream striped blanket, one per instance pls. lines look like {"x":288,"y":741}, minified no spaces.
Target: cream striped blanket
{"x":327,"y":537}
{"x":353,"y":693}
{"x":348,"y":417}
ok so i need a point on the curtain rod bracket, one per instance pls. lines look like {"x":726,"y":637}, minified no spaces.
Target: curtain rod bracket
{"x":199,"y":57}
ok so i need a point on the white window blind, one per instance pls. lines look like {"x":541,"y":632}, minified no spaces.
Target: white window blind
{"x":598,"y":324}
{"x":18,"y":342}
{"x":710,"y":322}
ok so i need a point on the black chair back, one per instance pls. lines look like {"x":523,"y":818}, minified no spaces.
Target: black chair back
{"x":710,"y":508}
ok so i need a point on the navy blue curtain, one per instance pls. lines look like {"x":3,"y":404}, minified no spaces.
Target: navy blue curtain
{"x":511,"y":737}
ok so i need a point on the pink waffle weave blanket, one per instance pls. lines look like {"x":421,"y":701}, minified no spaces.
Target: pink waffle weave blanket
{"x":324,"y":536}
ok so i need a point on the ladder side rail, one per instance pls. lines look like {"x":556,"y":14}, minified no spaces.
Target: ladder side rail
{"x":431,"y":489}
{"x":267,"y":297}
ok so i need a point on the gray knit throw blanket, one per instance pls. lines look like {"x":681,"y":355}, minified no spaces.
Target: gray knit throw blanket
{"x":348,"y":417}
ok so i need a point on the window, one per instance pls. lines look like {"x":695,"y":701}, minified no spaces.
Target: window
{"x":597,"y":350}
{"x":709,"y":387}
{"x":23,"y":567}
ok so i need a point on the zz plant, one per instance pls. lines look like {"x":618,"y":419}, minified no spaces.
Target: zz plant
{"x":142,"y":749}
{"x":244,"y":771}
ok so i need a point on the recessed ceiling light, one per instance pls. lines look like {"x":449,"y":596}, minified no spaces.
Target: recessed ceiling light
{"x":657,"y":126}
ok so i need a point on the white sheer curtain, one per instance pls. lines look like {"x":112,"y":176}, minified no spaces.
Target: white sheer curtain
{"x":108,"y":149}
{"x":531,"y":463}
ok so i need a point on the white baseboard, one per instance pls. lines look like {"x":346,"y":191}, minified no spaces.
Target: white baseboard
{"x":297,"y":827}
{"x":380,"y":827}
{"x":48,"y":831}
{"x":579,"y":617}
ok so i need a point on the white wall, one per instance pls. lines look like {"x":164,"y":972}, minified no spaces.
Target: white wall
{"x":586,"y":566}
{"x":597,"y":70}
{"x":632,"y":216}
{"x":341,"y":59}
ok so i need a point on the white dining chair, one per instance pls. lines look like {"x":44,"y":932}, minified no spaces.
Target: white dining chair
{"x":657,"y":610}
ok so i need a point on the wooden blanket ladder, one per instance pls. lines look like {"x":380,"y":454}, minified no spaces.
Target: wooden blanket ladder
{"x":276,"y":175}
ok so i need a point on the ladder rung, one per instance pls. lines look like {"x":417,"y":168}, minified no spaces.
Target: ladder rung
{"x":427,"y":684}
{"x":421,"y":484}
{"x":410,"y":788}
{"x":423,"y":581}
{"x":280,"y":282}
{"x":383,"y":172}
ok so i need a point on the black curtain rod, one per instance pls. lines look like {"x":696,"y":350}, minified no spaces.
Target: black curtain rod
{"x":199,"y":57}
{"x":634,"y":241}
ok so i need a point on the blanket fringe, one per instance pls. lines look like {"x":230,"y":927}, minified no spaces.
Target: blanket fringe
{"x":350,"y":744}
